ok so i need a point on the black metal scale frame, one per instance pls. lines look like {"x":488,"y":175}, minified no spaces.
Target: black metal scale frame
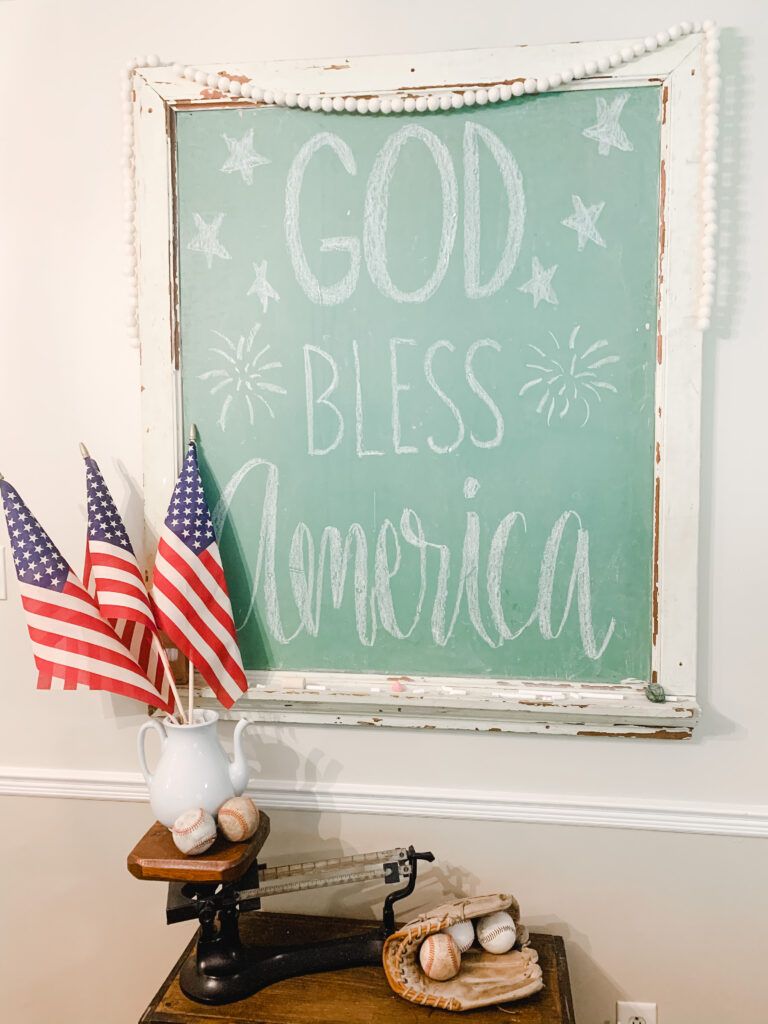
{"x":224,"y":970}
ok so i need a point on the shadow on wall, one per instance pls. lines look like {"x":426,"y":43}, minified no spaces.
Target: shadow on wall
{"x":736,"y":98}
{"x":596,"y":994}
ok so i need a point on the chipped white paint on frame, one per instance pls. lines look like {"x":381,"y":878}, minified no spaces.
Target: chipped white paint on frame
{"x":509,"y":704}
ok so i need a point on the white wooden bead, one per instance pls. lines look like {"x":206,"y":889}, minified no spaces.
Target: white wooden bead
{"x":350,"y":104}
{"x":469,"y":97}
{"x":567,"y":75}
{"x":153,"y":60}
{"x":518,"y":88}
{"x":303,"y":100}
{"x":327,"y":104}
{"x":200,"y":77}
{"x":362,"y":105}
{"x":555,"y":81}
{"x":530,"y":86}
{"x":386,"y":105}
{"x":703,"y":324}
{"x":457,"y":101}
{"x":279,"y":98}
{"x":446,"y":101}
{"x":650,"y":43}
{"x":338,"y":104}
{"x":638,"y":49}
{"x":685,"y":27}
{"x":235,"y":88}
{"x":315,"y":102}
{"x":662,"y":38}
{"x":178,"y":69}
{"x":494,"y":94}
{"x":189,"y":73}
{"x":579,"y":71}
{"x":211,"y":81}
{"x":268,"y":96}
{"x":374,"y":104}
{"x":433,"y":102}
{"x":591,"y":67}
{"x":542,"y":84}
{"x":397,"y":104}
{"x":713,"y":44}
{"x":696,"y":26}
{"x":257,"y":93}
{"x":603,"y":64}
{"x":674,"y":31}
{"x":615,"y":60}
{"x":710,"y":167}
{"x":421,"y":104}
{"x":223,"y":84}
{"x":409,"y":104}
{"x":291,"y":99}
{"x":246,"y":89}
{"x":127,"y":106}
{"x":481,"y":97}
{"x":708,"y":25}
{"x":627,"y":54}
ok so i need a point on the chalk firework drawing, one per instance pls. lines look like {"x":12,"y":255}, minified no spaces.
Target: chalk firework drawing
{"x":242,"y":378}
{"x":568,"y":379}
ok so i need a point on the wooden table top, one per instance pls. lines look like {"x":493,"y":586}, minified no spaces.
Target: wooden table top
{"x":357,"y":995}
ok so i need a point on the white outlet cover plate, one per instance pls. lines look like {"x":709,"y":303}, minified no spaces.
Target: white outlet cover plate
{"x":636,"y":1013}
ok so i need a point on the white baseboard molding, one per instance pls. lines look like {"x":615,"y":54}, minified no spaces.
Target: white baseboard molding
{"x":480,"y":805}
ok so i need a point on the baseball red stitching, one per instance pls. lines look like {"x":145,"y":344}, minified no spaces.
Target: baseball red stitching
{"x":190,"y":828}
{"x":235,"y":814}
{"x":201,"y":842}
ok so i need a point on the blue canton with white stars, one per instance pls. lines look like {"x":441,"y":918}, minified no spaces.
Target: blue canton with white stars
{"x":104,"y":522}
{"x":37,"y":559}
{"x":188,"y":516}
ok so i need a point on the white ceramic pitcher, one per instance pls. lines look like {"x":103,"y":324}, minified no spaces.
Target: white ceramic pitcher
{"x":194,"y":770}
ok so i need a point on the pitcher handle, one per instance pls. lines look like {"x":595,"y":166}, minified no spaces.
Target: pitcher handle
{"x":155,"y":724}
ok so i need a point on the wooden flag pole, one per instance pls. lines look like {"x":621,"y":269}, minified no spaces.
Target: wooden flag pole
{"x":169,"y":673}
{"x":191,"y":693}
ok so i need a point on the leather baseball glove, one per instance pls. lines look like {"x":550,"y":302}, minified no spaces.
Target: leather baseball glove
{"x":483,"y":979}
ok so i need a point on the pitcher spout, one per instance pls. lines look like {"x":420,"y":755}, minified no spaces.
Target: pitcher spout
{"x":238,"y":769}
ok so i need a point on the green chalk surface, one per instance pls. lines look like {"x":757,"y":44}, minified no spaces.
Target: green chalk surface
{"x":429,"y":452}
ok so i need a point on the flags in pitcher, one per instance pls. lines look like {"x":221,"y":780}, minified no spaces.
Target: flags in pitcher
{"x":190,"y":593}
{"x":72,"y":644}
{"x":112,"y":576}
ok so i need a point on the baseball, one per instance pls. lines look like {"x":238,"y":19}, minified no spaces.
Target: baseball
{"x":439,"y":957}
{"x":238,"y":818}
{"x":463,"y":934}
{"x":194,"y":831}
{"x":497,"y":932}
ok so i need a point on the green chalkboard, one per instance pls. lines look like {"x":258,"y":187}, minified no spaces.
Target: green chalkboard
{"x":420,"y":354}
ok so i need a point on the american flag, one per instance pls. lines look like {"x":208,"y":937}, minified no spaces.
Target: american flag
{"x":190,"y":593}
{"x":112,"y":576}
{"x":72,"y":644}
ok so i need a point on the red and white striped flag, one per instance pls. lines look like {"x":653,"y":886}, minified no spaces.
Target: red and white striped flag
{"x":190,"y":593}
{"x":112,"y":576}
{"x":73,"y":645}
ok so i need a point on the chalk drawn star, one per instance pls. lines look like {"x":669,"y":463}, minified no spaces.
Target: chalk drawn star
{"x":540,"y":284}
{"x":206,"y":240}
{"x":608,"y":132}
{"x":583,"y":221}
{"x":262,"y":287}
{"x":242,"y":157}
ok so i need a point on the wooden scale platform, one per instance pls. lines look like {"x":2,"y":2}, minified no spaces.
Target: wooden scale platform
{"x":247,"y":966}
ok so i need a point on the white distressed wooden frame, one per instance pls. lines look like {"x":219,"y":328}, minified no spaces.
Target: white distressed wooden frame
{"x":431,"y":702}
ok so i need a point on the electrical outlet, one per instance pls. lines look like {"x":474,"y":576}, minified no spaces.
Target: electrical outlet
{"x":636,"y":1013}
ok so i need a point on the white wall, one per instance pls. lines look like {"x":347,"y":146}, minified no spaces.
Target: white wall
{"x":67,"y":374}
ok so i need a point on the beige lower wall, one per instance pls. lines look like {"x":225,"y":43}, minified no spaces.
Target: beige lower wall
{"x":675,"y":919}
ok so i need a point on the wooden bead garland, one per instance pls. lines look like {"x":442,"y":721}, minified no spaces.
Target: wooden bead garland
{"x":448,"y":100}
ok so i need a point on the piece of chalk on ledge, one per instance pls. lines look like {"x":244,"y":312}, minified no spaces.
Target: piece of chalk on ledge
{"x":397,"y":687}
